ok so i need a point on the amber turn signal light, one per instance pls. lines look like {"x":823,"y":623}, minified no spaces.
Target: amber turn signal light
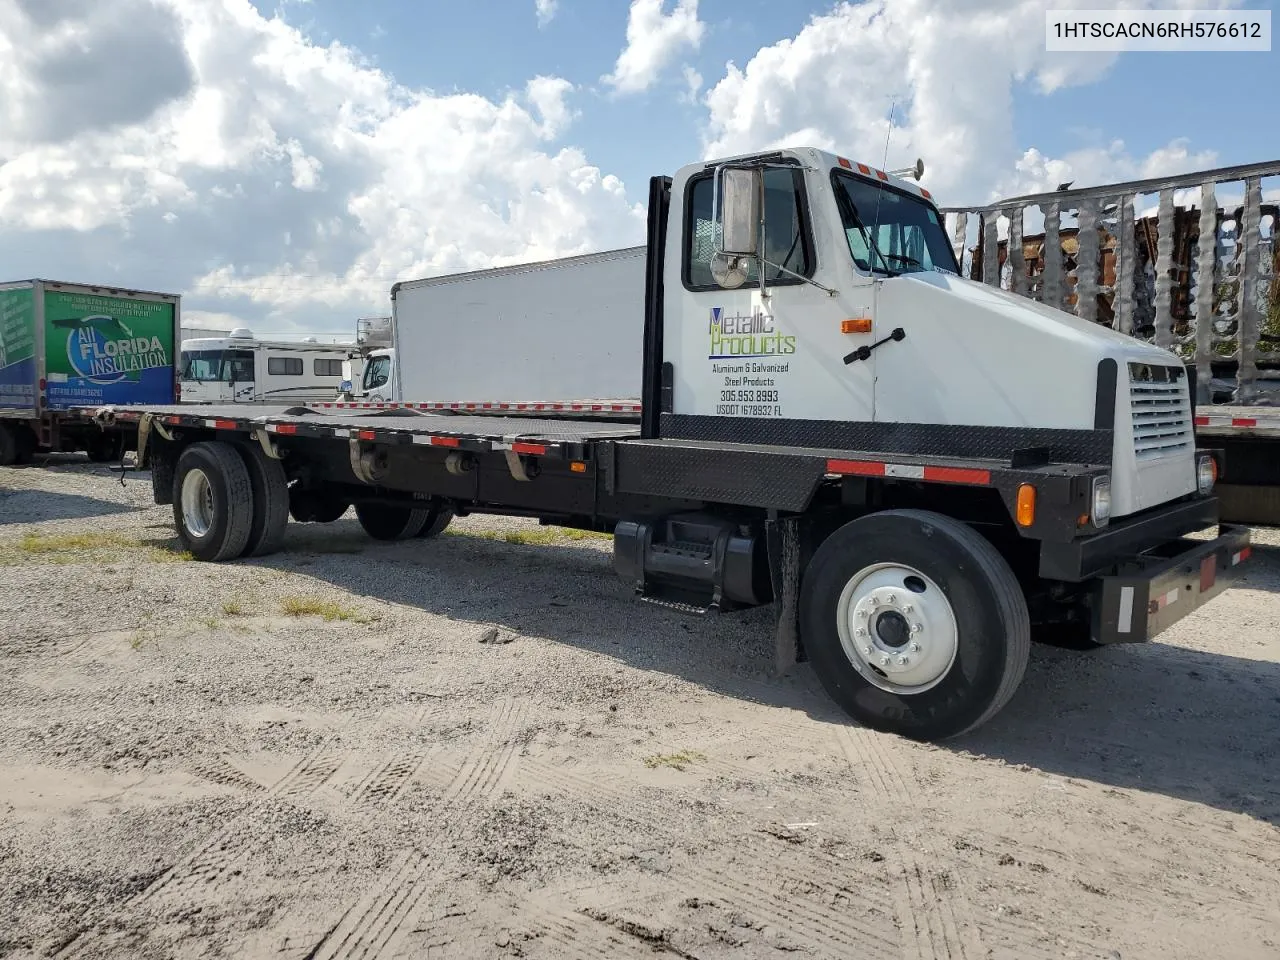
{"x":856,"y":325}
{"x":1026,"y":512}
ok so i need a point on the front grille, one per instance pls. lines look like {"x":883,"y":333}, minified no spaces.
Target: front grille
{"x":1160,"y":407}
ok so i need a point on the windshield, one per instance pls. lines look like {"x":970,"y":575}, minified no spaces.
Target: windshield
{"x":890,"y":231}
{"x":375,"y":374}
{"x":228,"y":366}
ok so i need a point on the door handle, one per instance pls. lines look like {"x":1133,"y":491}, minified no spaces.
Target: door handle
{"x":864,"y":351}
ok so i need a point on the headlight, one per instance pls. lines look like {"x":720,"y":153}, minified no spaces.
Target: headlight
{"x":1206,"y":473}
{"x":1101,"y":508}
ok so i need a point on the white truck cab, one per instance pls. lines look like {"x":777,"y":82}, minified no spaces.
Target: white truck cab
{"x":863,"y":320}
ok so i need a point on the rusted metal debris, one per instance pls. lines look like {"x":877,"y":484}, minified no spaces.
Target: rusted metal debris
{"x":1150,"y":276}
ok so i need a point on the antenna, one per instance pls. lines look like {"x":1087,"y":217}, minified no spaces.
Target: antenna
{"x":875,"y":229}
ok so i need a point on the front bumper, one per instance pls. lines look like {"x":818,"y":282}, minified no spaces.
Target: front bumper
{"x":1156,"y":589}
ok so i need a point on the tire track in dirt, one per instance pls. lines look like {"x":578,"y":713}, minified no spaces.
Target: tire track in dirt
{"x":217,"y":859}
{"x":814,"y":924}
{"x":936,"y":919}
{"x":374,"y":925}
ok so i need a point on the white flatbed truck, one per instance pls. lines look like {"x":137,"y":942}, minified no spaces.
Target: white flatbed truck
{"x":833,"y":421}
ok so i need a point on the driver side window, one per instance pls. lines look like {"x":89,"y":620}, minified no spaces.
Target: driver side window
{"x":787,"y":240}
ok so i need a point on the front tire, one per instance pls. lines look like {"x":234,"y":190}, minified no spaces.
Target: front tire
{"x":384,"y":522}
{"x":914,"y":624}
{"x":212,"y":501}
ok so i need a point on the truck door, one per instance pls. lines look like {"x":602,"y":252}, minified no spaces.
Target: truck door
{"x":739,"y":354}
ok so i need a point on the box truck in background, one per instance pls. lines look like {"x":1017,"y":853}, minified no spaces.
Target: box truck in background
{"x":68,"y":345}
{"x":552,"y":332}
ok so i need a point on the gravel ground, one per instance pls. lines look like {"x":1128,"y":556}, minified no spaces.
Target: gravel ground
{"x":472,"y":747}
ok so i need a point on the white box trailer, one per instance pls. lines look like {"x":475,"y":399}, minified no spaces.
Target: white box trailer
{"x":577,"y":325}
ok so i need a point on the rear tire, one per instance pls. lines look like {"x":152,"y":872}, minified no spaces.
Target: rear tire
{"x":8,"y":446}
{"x":270,"y":501}
{"x":930,"y":598}
{"x":383,"y":522}
{"x":103,"y":449}
{"x":308,"y":507}
{"x":212,"y":501}
{"x":438,"y":520}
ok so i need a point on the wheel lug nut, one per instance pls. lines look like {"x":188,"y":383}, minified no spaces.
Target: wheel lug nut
{"x":861,"y":632}
{"x":867,"y":651}
{"x":916,"y":628}
{"x":891,"y":598}
{"x":884,"y":661}
{"x":902,"y":661}
{"x":907,"y":608}
{"x":915,"y":648}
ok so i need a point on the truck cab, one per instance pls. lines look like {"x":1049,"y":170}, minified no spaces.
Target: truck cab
{"x":861,"y":328}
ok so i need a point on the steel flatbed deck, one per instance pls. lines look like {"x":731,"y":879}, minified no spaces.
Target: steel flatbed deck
{"x":392,"y":425}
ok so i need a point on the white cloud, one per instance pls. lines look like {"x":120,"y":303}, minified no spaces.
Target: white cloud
{"x":546,"y":10}
{"x":654,"y":40}
{"x":693,"y":85}
{"x":245,"y":133}
{"x":951,"y":66}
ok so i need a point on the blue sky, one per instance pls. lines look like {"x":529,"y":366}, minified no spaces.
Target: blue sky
{"x":282,"y":162}
{"x":445,"y":46}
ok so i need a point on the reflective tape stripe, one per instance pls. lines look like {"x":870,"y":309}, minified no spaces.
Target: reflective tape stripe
{"x":870,"y":468}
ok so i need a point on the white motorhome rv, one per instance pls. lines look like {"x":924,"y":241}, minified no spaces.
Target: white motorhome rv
{"x":240,"y":368}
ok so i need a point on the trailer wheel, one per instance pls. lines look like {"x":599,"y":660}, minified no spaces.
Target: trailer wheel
{"x":383,"y":522}
{"x":914,"y":624}
{"x":8,"y":446}
{"x":270,"y":501}
{"x":103,"y":448}
{"x":212,"y":501}
{"x":306,"y":506}
{"x":438,"y":520}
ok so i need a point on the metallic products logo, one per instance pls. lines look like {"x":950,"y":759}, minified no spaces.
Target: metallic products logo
{"x":746,"y":335}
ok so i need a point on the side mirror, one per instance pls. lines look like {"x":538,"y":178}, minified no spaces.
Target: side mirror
{"x":739,"y":219}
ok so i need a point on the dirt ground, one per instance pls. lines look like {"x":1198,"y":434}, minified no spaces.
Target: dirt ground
{"x":483,"y":746}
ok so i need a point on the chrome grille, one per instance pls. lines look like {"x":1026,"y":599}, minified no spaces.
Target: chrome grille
{"x":1160,"y":408}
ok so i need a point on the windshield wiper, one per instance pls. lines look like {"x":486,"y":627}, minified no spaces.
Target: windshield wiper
{"x":904,"y":258}
{"x":851,"y":213}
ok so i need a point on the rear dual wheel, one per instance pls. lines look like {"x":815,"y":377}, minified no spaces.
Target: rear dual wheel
{"x":390,"y":522}
{"x":229,"y":500}
{"x":914,"y":624}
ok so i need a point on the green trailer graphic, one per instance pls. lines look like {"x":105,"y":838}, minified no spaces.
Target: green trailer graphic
{"x":17,"y":349}
{"x":107,"y":350}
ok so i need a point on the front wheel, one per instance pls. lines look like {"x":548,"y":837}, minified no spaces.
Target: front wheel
{"x":914,"y":624}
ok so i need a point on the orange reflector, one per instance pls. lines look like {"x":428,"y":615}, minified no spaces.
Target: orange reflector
{"x":882,"y":175}
{"x":529,"y":449}
{"x":578,"y":466}
{"x":1082,"y":520}
{"x":926,"y":194}
{"x":367,"y":435}
{"x":224,"y":424}
{"x":288,"y":428}
{"x":1026,"y":505}
{"x":444,"y":441}
{"x":856,"y":325}
{"x":863,"y":168}
{"x":845,"y":163}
